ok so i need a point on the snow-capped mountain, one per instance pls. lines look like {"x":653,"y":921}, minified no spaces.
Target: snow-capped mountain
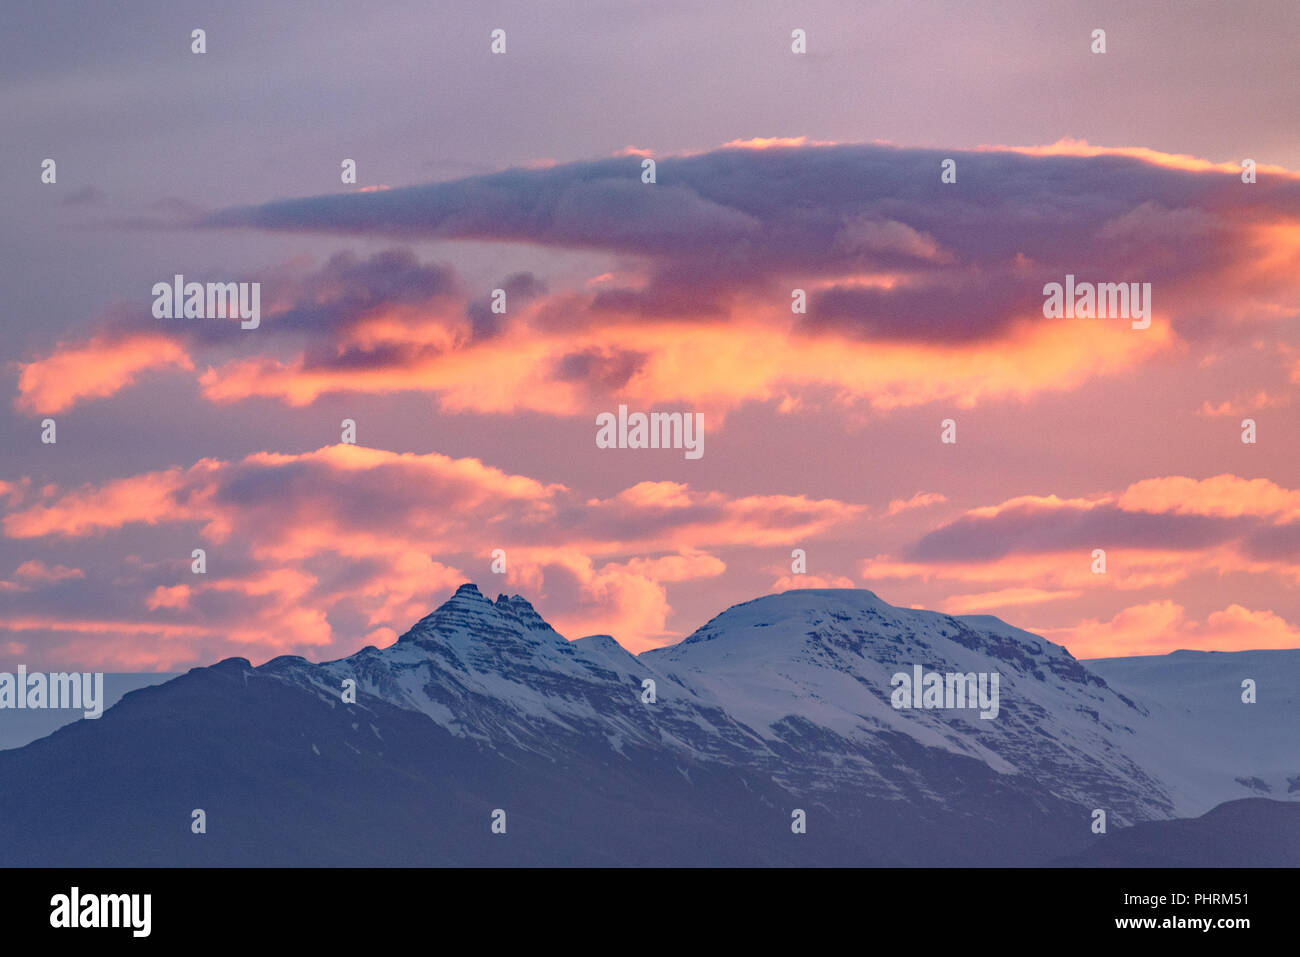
{"x":496,"y":673}
{"x":701,"y":753}
{"x":747,"y":688}
{"x":826,"y":657}
{"x":1200,"y":738}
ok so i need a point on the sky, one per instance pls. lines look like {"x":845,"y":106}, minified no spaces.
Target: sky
{"x":522,"y":171}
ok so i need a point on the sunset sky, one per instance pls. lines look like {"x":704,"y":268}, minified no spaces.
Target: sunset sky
{"x":522,"y":171}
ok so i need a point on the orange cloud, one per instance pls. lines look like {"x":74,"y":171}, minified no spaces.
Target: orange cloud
{"x":1067,"y":146}
{"x":791,"y":582}
{"x":919,"y":500}
{"x":1129,"y":569}
{"x":770,"y":142}
{"x":161,"y":646}
{"x":1159,"y":627}
{"x":174,"y":596}
{"x":626,"y":600}
{"x":149,"y":498}
{"x":36,"y":570}
{"x":385,"y":513}
{"x":1224,"y":494}
{"x":688,"y":566}
{"x":95,"y":369}
{"x":712,"y":366}
{"x":1038,"y":570}
{"x":1242,"y":406}
{"x":1004,"y":598}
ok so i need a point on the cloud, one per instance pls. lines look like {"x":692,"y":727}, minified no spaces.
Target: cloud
{"x":1243,"y":406}
{"x":1156,"y":533}
{"x":628,"y":598}
{"x":572,"y":205}
{"x":969,"y":259}
{"x":94,"y":369}
{"x":790,"y":582}
{"x":671,"y":515}
{"x":37,"y":570}
{"x":712,"y":365}
{"x":147,"y":499}
{"x":917,"y":291}
{"x":1221,"y":495}
{"x":919,"y":500}
{"x":1025,"y":529}
{"x":1004,"y":598}
{"x":308,"y":550}
{"x":351,"y":314}
{"x":1159,"y":627}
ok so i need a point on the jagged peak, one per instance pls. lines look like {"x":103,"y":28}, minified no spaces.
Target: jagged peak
{"x":468,"y":604}
{"x":521,"y":608}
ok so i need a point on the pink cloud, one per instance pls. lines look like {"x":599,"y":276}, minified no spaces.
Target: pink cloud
{"x":94,"y":369}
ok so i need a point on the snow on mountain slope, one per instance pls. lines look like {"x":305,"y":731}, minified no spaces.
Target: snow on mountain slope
{"x":793,"y":726}
{"x":793,"y":686}
{"x":796,"y":687}
{"x":497,"y":673}
{"x":828,"y":655}
{"x":776,"y":704}
{"x":1200,"y":738}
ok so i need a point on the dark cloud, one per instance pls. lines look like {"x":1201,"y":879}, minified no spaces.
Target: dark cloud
{"x":600,"y":205}
{"x":608,"y":370}
{"x":965,"y":309}
{"x":520,"y":288}
{"x":1276,"y":543}
{"x":690,"y":293}
{"x":970,"y":254}
{"x":348,"y":289}
{"x":319,"y":305}
{"x":1034,"y":529}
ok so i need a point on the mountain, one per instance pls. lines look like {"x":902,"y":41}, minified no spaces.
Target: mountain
{"x":815,"y":666}
{"x":20,"y":727}
{"x":1251,"y":832}
{"x":1201,"y":739}
{"x":778,"y":705}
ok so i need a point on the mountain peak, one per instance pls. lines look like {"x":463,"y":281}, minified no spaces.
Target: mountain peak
{"x":519,"y":607}
{"x":802,"y":604}
{"x":465,"y":606}
{"x":469,"y":611}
